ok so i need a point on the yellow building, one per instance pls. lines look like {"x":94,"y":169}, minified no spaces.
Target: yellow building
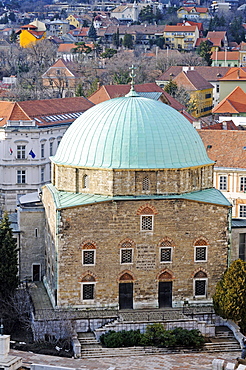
{"x":32,"y":33}
{"x":193,"y":13}
{"x":181,"y":37}
{"x":200,"y":90}
{"x":75,"y":21}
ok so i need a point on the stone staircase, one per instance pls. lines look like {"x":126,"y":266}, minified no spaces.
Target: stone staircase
{"x":224,"y":341}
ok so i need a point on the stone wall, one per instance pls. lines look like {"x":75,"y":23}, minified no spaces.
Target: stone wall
{"x":108,"y":225}
{"x":130,"y":182}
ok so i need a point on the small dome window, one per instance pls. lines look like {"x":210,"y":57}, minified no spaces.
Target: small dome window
{"x":146,"y":183}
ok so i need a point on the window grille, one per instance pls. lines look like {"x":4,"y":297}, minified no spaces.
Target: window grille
{"x":147,"y":223}
{"x":88,"y":257}
{"x":85,"y":181}
{"x":201,"y":254}
{"x":200,"y":287}
{"x":88,"y":291}
{"x":146,"y":183}
{"x":126,"y":255}
{"x":166,"y":254}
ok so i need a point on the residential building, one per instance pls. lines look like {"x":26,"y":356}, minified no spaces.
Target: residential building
{"x":242,"y":54}
{"x":229,"y":169}
{"x":30,"y":132}
{"x":77,"y":21}
{"x":58,"y":28}
{"x":62,"y":78}
{"x":236,"y":76}
{"x":187,"y":22}
{"x":233,"y":105}
{"x":128,"y":12}
{"x":181,"y":37}
{"x":225,"y":58}
{"x":201,"y":91}
{"x":139,"y":211}
{"x":217,"y":40}
{"x":32,"y":33}
{"x":193,"y":13}
{"x":210,"y":74}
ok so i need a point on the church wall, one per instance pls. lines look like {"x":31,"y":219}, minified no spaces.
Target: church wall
{"x":130,"y":182}
{"x":108,"y":225}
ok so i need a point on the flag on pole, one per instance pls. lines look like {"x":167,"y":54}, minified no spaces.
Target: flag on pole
{"x":32,"y":154}
{"x":10,"y":151}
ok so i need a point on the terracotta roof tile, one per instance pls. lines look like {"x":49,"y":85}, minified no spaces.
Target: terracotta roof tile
{"x":192,"y":80}
{"x":235,"y":102}
{"x":171,"y":28}
{"x":228,"y":55}
{"x":234,"y":73}
{"x":208,"y":73}
{"x":227,"y":147}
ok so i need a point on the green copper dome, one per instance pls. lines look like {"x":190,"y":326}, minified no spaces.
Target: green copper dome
{"x":131,"y":133}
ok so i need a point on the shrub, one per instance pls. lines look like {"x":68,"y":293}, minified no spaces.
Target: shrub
{"x":122,"y":338}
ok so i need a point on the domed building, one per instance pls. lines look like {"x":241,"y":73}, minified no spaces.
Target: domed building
{"x":132,"y":218}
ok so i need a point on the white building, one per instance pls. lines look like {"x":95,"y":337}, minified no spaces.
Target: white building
{"x":30,"y":132}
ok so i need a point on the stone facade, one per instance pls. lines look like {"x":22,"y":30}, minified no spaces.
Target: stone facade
{"x":130,"y":182}
{"x":107,"y":226}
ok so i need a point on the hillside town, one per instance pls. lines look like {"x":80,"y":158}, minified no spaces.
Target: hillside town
{"x":122,"y":182}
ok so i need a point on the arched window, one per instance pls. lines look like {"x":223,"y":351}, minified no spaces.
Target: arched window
{"x":89,"y":254}
{"x":88,"y":288}
{"x":200,"y":284}
{"x":200,"y":250}
{"x":146,"y":183}
{"x":166,"y":250}
{"x":85,"y":182}
{"x":126,"y":252}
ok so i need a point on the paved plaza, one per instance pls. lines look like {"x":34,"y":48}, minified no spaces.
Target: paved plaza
{"x":192,"y":361}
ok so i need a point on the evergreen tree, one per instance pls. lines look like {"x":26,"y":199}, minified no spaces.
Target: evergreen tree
{"x":8,"y":259}
{"x":92,"y":33}
{"x":230,"y":296}
{"x":116,"y":39}
{"x":204,"y":50}
{"x":127,"y":41}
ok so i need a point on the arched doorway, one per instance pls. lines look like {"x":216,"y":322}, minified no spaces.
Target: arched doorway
{"x":126,"y":291}
{"x":165,"y":289}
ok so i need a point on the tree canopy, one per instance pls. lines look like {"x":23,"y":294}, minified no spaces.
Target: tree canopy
{"x":204,"y":50}
{"x":230,"y":296}
{"x":8,"y":259}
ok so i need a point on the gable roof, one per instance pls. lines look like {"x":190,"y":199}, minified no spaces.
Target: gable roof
{"x":208,"y":73}
{"x":44,"y":112}
{"x":172,"y":28}
{"x":216,"y":34}
{"x":225,"y":55}
{"x":234,"y":73}
{"x":235,"y":103}
{"x":221,"y":144}
{"x":192,"y":80}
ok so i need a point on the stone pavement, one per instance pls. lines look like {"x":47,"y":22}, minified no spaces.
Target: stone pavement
{"x":191,"y":361}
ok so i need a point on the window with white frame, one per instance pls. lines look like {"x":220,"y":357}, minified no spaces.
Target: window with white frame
{"x":242,"y":210}
{"x":126,"y":255}
{"x":21,"y":177}
{"x":42,"y":150}
{"x":200,"y":284}
{"x":146,"y":183}
{"x":88,"y":291}
{"x":21,"y":151}
{"x":242,"y":183}
{"x":88,"y":257}
{"x":51,"y":147}
{"x":42,"y":174}
{"x":223,"y":182}
{"x":201,"y":253}
{"x":166,"y":251}
{"x":147,"y":222}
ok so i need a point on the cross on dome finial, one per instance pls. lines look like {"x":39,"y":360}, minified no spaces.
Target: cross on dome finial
{"x":132,"y":92}
{"x":132,"y":75}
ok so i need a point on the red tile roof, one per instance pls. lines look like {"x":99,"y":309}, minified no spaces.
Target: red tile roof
{"x":225,"y":147}
{"x":39,"y":110}
{"x":225,"y":55}
{"x":234,"y":103}
{"x":171,"y":28}
{"x":208,"y":73}
{"x":192,"y":80}
{"x":234,"y":73}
